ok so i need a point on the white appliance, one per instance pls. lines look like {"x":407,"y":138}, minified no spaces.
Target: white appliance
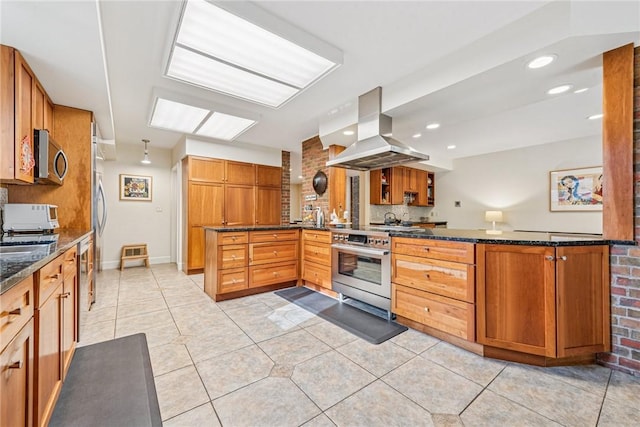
{"x":22,"y":217}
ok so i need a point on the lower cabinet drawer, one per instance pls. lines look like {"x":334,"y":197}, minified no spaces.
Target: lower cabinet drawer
{"x":445,"y":314}
{"x":16,"y":308}
{"x":51,"y":276}
{"x":317,"y":274}
{"x":319,"y":253}
{"x":270,"y":274}
{"x":266,"y":253}
{"x":272,"y":236}
{"x":232,"y":256}
{"x":445,"y":278}
{"x":231,"y":280}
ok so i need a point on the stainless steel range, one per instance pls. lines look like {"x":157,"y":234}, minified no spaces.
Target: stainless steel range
{"x":361,"y":266}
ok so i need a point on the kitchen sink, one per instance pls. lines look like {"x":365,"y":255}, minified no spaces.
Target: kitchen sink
{"x":25,"y":250}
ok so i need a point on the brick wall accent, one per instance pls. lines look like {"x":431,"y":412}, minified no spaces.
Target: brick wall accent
{"x":625,"y":270}
{"x":314,"y":158}
{"x":286,"y":188}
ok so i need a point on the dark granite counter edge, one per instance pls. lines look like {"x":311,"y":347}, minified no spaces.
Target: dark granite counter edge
{"x":489,"y":240}
{"x":265,"y":228}
{"x":69,"y":242}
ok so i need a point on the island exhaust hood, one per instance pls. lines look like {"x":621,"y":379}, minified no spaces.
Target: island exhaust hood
{"x":373,"y":150}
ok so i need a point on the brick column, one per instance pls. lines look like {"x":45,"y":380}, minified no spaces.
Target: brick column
{"x":314,"y":158}
{"x":625,"y":270}
{"x":286,"y":188}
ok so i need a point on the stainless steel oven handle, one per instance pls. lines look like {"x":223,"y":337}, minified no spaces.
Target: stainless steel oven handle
{"x":360,"y":250}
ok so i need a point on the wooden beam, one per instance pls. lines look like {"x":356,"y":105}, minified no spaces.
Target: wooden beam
{"x":617,"y":144}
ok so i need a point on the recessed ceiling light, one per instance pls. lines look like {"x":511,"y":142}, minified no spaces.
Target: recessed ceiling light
{"x":559,"y":89}
{"x":348,"y":132}
{"x":584,"y":89}
{"x":177,"y":116}
{"x":221,"y":51}
{"x":224,"y":126}
{"x":450,"y":147}
{"x":417,"y":135}
{"x":432,"y":126}
{"x":300,"y":177}
{"x":596,"y":116}
{"x":541,"y":61}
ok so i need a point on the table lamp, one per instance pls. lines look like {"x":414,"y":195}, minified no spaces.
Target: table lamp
{"x":493,"y":217}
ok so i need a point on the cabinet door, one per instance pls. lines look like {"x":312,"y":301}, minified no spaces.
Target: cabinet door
{"x":516,"y":298}
{"x":38,"y":105}
{"x":379,"y":187}
{"x":410,"y":180}
{"x":69,"y":321}
{"x":240,"y":173}
{"x":16,"y":381}
{"x":48,"y":115}
{"x":268,"y":176}
{"x":206,"y":204}
{"x":431,"y":189}
{"x":48,"y":339}
{"x":396,"y":184}
{"x":24,"y":95}
{"x":583,"y":311}
{"x":269,"y":206}
{"x":239,"y":205}
{"x":204,"y":169}
{"x":421,"y":188}
{"x":195,"y":248}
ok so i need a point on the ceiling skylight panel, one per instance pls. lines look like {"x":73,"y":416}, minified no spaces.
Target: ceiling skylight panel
{"x":176,"y":116}
{"x":224,"y":126}
{"x":218,"y":33}
{"x":201,"y":70}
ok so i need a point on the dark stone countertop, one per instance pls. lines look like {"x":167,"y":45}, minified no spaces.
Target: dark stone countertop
{"x":266,"y":228}
{"x":14,"y":268}
{"x":505,"y":237}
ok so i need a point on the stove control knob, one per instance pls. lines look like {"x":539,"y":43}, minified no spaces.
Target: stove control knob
{"x":385,"y":242}
{"x":378,"y":241}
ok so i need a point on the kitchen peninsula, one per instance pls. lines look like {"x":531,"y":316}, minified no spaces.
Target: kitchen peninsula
{"x":532,"y":297}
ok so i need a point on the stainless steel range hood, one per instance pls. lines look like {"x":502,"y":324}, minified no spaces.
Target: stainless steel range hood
{"x":373,"y":150}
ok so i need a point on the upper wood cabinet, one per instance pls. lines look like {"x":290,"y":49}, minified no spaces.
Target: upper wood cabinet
{"x":239,"y":205}
{"x":268,"y":176}
{"x":386,"y":186}
{"x":24,"y":106}
{"x":240,"y":173}
{"x":410,"y":180}
{"x":269,"y":205}
{"x":205,"y":169}
{"x":206,"y":203}
{"x":551,"y":302}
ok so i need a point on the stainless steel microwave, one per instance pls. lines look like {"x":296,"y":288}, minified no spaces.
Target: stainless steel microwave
{"x":51,"y":161}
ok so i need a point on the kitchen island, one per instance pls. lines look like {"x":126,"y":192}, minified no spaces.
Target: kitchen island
{"x":531,"y":297}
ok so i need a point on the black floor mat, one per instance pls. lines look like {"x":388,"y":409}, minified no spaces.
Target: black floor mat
{"x":365,"y":325}
{"x":109,"y":384}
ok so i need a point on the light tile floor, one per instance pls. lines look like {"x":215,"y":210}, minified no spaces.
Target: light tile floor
{"x":261,"y":361}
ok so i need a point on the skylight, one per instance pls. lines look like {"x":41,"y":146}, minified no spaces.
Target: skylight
{"x":221,"y":51}
{"x":186,"y":118}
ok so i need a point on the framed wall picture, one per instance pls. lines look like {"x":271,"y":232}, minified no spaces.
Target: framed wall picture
{"x":135,"y":187}
{"x":576,"y":189}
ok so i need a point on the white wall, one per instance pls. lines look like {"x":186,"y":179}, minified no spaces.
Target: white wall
{"x":137,"y":221}
{"x":226,"y":150}
{"x":516,"y":182}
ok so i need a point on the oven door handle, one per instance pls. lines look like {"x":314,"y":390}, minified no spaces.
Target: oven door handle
{"x":360,"y":250}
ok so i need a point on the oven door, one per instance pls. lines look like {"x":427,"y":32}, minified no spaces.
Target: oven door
{"x":362,"y":268}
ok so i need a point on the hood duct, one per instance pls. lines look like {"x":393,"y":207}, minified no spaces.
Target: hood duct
{"x":373,"y":150}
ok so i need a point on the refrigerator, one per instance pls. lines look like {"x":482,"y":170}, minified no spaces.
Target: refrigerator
{"x":98,"y":206}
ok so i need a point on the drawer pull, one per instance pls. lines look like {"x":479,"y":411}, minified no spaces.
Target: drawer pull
{"x":426,"y":309}
{"x":427,"y":249}
{"x":233,"y":257}
{"x":234,"y":281}
{"x":275,"y":236}
{"x":54,"y":276}
{"x":15,"y":312}
{"x":275,"y":253}
{"x":275,"y":274}
{"x":65,"y":295}
{"x":563,"y":258}
{"x":427,"y":275}
{"x":15,"y":365}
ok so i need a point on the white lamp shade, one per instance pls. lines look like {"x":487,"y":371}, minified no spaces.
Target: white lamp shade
{"x":491,"y":216}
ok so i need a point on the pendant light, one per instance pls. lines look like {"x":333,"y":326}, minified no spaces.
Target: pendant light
{"x":145,"y":160}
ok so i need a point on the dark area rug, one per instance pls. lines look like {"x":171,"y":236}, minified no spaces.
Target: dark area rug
{"x":109,"y":384}
{"x":365,"y":325}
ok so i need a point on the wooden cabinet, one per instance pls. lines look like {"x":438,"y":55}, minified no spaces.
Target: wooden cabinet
{"x":16,"y":381}
{"x":386,"y":186}
{"x":16,"y":354}
{"x":545,"y":301}
{"x":316,"y":257}
{"x":268,"y":206}
{"x":433,"y":283}
{"x":241,"y":263}
{"x":268,"y":176}
{"x":389,"y":185}
{"x":225,"y":193}
{"x":55,"y":323}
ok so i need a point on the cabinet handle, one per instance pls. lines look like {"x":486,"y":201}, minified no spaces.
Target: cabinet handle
{"x":233,"y":257}
{"x":426,"y":309}
{"x":65,"y":295}
{"x":426,"y":249}
{"x":54,"y":276}
{"x":15,"y":312}
{"x":275,"y":236}
{"x":427,"y":275}
{"x":15,"y":365}
{"x":234,"y":238}
{"x":549,"y":258}
{"x":233,"y":281}
{"x":275,"y":253}
{"x":563,"y":258}
{"x":275,"y":273}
